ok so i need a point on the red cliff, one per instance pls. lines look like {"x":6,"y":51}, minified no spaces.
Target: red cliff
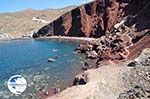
{"x":97,"y":17}
{"x":122,"y":25}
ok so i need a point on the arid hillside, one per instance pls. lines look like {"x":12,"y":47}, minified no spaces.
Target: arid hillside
{"x":24,"y":22}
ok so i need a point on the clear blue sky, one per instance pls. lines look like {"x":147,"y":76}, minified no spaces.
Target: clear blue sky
{"x":17,"y":5}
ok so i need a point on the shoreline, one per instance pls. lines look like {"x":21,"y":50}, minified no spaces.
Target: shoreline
{"x":67,"y":38}
{"x":51,"y":92}
{"x":63,"y":38}
{"x":14,"y":39}
{"x":71,"y":90}
{"x":91,"y":62}
{"x":59,"y":38}
{"x":67,"y":84}
{"x":74,"y":92}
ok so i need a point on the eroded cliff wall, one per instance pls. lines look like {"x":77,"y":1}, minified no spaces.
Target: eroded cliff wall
{"x":96,"y":18}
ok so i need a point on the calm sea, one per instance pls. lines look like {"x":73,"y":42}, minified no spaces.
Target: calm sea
{"x":29,"y":58}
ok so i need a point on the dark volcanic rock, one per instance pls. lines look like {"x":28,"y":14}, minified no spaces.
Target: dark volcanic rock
{"x":85,"y":66}
{"x":135,"y":93}
{"x":85,"y":47}
{"x":132,"y":64}
{"x":80,"y":80}
{"x":137,"y":80}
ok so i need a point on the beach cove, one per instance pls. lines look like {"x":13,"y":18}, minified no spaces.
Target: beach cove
{"x":29,"y":58}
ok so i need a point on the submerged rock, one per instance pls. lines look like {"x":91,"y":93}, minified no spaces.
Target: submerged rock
{"x":51,"y":60}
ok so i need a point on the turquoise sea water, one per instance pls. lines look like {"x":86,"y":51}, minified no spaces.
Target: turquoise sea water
{"x":29,"y":58}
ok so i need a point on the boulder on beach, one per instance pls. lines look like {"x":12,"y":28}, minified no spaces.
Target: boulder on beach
{"x":92,"y":55}
{"x":80,"y":80}
{"x":82,"y":48}
{"x":56,"y":90}
{"x":85,"y":66}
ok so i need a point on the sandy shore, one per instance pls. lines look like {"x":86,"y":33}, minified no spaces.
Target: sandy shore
{"x":70,"y":38}
{"x":66,"y":38}
{"x":19,"y":38}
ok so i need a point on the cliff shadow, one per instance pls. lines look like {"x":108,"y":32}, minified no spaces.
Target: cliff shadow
{"x":58,"y":27}
{"x":98,"y":32}
{"x":138,"y":13}
{"x":44,"y":31}
{"x":76,"y":24}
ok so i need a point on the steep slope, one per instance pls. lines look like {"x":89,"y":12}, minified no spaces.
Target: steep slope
{"x":123,"y":32}
{"x":19,"y":23}
{"x":96,"y":18}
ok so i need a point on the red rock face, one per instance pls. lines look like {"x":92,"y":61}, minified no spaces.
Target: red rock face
{"x":91,"y":20}
{"x":137,"y":48}
{"x":95,"y":18}
{"x":99,"y":19}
